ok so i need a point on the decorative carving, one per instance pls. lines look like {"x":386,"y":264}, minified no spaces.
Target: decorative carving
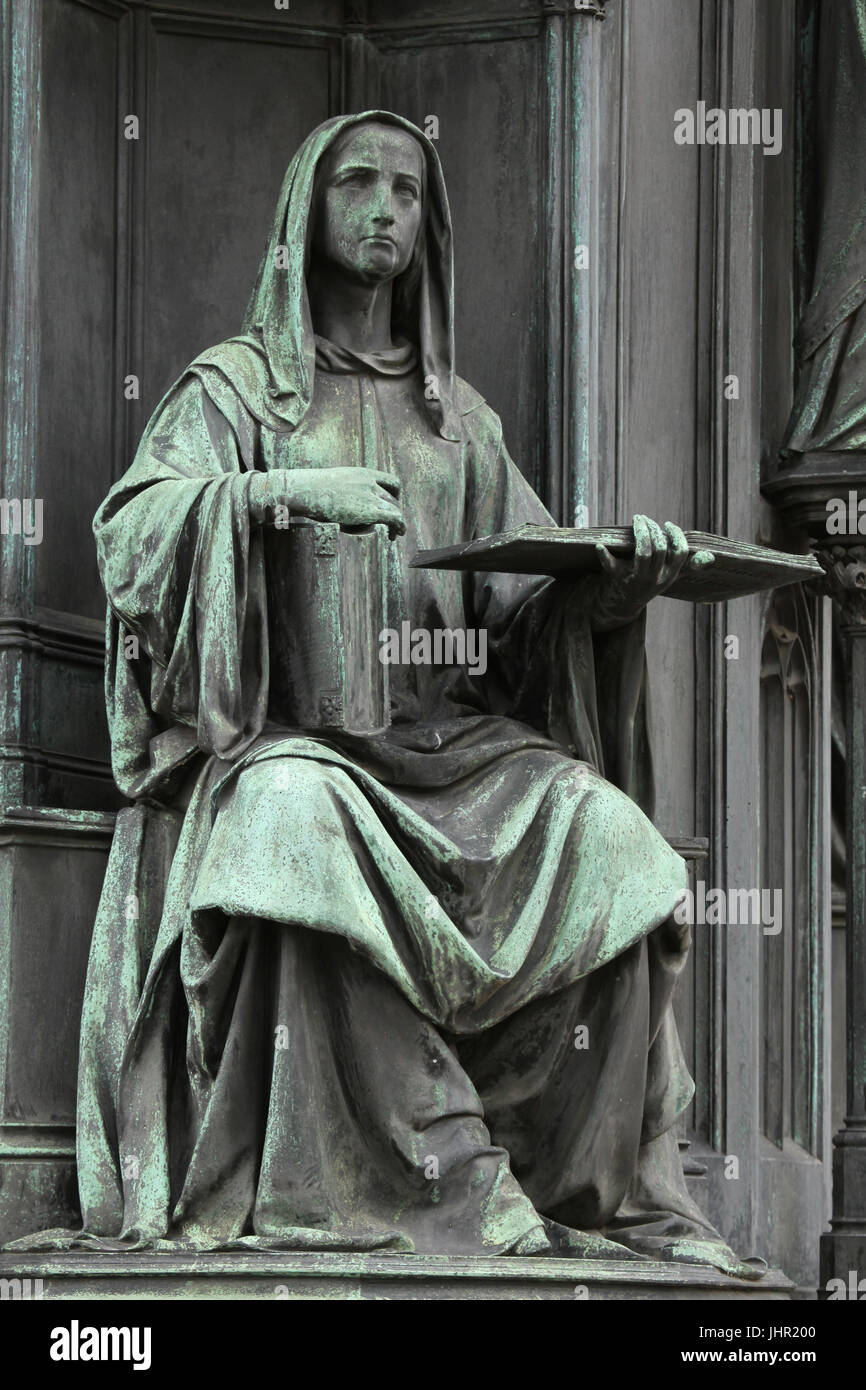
{"x":331,"y":707}
{"x":845,"y":570}
{"x":356,"y":13}
{"x":595,"y":8}
{"x":788,"y":1107}
{"x":326,"y":545}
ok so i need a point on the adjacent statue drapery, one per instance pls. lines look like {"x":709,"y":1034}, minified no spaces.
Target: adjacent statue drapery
{"x":409,"y":990}
{"x":829,"y":413}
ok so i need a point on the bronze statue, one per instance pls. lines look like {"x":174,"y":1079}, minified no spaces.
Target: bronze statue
{"x":404,"y":987}
{"x":829,"y":412}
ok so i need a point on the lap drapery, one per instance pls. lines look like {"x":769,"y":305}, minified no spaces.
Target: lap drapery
{"x":332,"y":1106}
{"x":474,"y":898}
{"x":355,"y":1026}
{"x":375,"y":1062}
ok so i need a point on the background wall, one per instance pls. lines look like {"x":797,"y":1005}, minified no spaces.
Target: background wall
{"x":127,"y":257}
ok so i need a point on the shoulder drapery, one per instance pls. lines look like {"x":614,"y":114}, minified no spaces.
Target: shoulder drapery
{"x":184,"y":574}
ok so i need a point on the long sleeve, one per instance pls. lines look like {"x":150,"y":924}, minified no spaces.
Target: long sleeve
{"x":183,"y":572}
{"x":587,"y":690}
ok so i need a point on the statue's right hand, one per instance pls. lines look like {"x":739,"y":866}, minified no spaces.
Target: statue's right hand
{"x":349,"y":496}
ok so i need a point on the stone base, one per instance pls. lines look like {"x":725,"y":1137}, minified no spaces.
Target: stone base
{"x":843,"y":1257}
{"x":82,"y":1275}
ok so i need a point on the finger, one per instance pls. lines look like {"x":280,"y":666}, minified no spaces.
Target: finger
{"x":656,"y":566}
{"x":604,"y":557}
{"x":391,"y":511}
{"x":658,"y":539}
{"x":386,"y":480}
{"x":702,"y":559}
{"x":678,"y":553}
{"x":395,"y":516}
{"x":390,"y":517}
{"x":678,"y":546}
{"x":651,"y":567}
{"x":382,"y":494}
{"x":609,"y":564}
{"x":642,"y":539}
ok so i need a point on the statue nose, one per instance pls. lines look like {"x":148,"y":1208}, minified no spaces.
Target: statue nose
{"x":383,"y":207}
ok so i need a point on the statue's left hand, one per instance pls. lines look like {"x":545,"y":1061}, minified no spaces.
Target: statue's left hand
{"x":627,"y":586}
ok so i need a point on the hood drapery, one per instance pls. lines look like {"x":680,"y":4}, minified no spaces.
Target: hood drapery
{"x":829,"y":410}
{"x":275,"y":376}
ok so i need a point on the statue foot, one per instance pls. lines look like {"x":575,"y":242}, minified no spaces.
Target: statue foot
{"x":717,"y":1256}
{"x":712,"y":1254}
{"x":661,"y":1221}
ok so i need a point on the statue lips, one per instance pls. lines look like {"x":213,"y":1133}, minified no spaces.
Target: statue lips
{"x":382,"y":252}
{"x":379,"y":239}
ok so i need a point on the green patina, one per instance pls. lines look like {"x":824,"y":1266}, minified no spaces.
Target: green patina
{"x":420,"y":915}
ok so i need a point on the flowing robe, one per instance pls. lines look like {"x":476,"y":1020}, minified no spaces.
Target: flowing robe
{"x":829,"y":411}
{"x":408,"y":991}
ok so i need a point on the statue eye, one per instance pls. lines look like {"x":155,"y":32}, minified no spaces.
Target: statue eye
{"x":408,"y":188}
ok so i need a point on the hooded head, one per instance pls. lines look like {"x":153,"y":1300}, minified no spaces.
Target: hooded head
{"x":278,"y":316}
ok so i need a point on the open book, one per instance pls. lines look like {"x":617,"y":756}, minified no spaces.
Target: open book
{"x":739,"y":568}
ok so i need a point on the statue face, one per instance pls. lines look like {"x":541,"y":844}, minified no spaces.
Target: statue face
{"x":370,"y":204}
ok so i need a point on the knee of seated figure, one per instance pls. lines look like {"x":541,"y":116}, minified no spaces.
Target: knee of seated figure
{"x":303,"y":782}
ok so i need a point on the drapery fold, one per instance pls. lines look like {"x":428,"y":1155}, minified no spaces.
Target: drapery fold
{"x":829,"y":412}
